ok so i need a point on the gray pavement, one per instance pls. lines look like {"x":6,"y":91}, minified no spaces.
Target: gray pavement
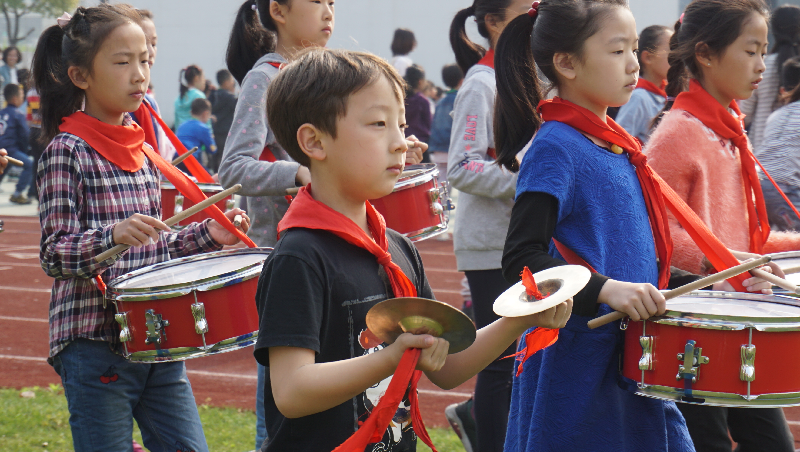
{"x":8,"y":208}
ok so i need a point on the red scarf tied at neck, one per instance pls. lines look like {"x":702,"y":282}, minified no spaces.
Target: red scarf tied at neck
{"x":647,"y":85}
{"x":124,"y":147}
{"x":703,"y":106}
{"x":306,"y":212}
{"x":657,"y":194}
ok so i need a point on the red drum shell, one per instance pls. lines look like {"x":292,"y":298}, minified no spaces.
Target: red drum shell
{"x":230,"y":311}
{"x":721,"y":338}
{"x":169,"y":194}
{"x":414,"y":209}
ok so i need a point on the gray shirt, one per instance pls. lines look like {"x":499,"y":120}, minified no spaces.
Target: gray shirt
{"x":264,"y":183}
{"x":635,"y":116}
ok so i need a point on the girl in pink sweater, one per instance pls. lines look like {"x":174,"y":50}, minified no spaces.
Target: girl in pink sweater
{"x":700,"y":149}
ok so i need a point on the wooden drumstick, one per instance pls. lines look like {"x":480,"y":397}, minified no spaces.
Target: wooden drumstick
{"x":184,"y":156}
{"x":237,"y":220}
{"x":776,"y":280}
{"x":14,"y":161}
{"x":293,"y":191}
{"x":176,"y":219}
{"x":791,"y":270}
{"x":692,"y":286}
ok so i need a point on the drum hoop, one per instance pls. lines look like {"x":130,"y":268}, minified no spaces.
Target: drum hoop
{"x":713,"y":398}
{"x":729,"y":322}
{"x":173,"y":290}
{"x":429,"y":172}
{"x":785,"y":255}
{"x":205,"y":188}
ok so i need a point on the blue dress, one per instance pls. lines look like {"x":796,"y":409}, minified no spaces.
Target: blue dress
{"x":567,"y":398}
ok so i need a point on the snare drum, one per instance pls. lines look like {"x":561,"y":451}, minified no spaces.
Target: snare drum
{"x":718,"y":348}
{"x":189,"y":307}
{"x":789,"y":261}
{"x":418,"y":207}
{"x":173,"y":203}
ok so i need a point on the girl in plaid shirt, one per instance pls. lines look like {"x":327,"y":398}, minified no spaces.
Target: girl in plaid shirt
{"x":97,"y":190}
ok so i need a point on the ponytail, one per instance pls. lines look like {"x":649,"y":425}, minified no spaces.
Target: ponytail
{"x":186,"y":78}
{"x":518,"y":92}
{"x":677,"y":76}
{"x":467,"y":52}
{"x":76,"y":45}
{"x":253,"y":36}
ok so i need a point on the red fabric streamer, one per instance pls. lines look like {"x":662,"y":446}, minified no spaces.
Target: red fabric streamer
{"x":536,"y":340}
{"x":531,"y":288}
{"x":488,"y":59}
{"x":703,"y":106}
{"x":306,"y":212}
{"x":658,"y":195}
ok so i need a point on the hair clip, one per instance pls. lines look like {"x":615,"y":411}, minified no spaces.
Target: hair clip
{"x":670,"y":99}
{"x":534,"y":10}
{"x":681,"y":19}
{"x":64,"y":19}
{"x":254,"y":6}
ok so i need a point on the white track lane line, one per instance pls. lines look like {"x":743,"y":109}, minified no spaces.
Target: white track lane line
{"x":25,"y":289}
{"x":204,"y":373}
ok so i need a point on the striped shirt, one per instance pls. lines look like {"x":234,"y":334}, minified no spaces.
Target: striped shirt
{"x":780,"y":149}
{"x":82,"y":196}
{"x":763,"y":101}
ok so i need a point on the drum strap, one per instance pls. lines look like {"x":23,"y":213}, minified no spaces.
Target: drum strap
{"x":268,"y":156}
{"x":775,"y":184}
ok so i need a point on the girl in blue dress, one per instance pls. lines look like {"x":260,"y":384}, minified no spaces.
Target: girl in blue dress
{"x":577,"y":188}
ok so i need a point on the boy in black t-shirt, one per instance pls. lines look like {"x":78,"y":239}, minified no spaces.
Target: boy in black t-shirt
{"x":341,"y":114}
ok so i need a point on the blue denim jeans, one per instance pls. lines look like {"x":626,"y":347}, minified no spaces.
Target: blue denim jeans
{"x":261,"y":422}
{"x":105,"y":392}
{"x":26,"y":177}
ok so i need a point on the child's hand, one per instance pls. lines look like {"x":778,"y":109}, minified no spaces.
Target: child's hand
{"x":434,"y":350}
{"x":303,"y":176}
{"x":222,"y":235}
{"x":555,"y":317}
{"x":138,"y":230}
{"x":415,"y":150}
{"x":753,"y":284}
{"x":639,"y":301}
{"x":3,"y":160}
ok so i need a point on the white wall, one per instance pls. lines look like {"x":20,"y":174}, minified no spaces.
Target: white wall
{"x":196,"y":32}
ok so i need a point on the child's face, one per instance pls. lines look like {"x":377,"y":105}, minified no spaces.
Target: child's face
{"x":607,"y":74}
{"x":149,"y":29}
{"x":309,"y":22}
{"x":15,"y":101}
{"x":657,"y":61}
{"x":368,"y":154}
{"x":735,"y":73}
{"x":120,"y":74}
{"x":204,"y":116}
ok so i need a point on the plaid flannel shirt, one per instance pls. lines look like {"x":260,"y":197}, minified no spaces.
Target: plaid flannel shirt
{"x":82,"y":196}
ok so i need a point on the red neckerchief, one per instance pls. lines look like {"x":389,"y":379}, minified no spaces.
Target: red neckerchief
{"x":146,"y":111}
{"x":647,"y":85}
{"x":118,"y":144}
{"x":657,"y":194}
{"x":306,"y":212}
{"x":488,"y":59}
{"x":702,"y":105}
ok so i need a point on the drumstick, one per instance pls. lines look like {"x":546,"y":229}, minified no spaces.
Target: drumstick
{"x":776,"y":280}
{"x":237,"y":220}
{"x":692,"y":286}
{"x":791,"y":270}
{"x":184,"y":156}
{"x":176,"y":219}
{"x":292,"y":191}
{"x":14,"y":161}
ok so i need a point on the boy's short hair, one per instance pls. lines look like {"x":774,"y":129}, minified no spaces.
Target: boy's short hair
{"x":452,"y":75}
{"x":200,"y":106}
{"x":314,"y":89}
{"x":223,"y":75}
{"x":12,"y":90}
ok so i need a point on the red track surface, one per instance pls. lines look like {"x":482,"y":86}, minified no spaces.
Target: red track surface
{"x":222,"y":380}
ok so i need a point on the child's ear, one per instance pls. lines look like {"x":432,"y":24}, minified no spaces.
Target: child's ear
{"x":647,"y":57}
{"x":702,"y":54}
{"x":78,"y":77}
{"x":563,"y":64}
{"x":310,"y":140}
{"x":278,"y":12}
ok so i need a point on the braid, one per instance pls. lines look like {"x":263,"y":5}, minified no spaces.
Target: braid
{"x":677,"y":78}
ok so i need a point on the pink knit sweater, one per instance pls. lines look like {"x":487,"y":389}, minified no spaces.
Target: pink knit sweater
{"x":705,"y":170}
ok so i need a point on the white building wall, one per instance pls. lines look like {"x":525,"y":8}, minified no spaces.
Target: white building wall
{"x":196,"y":32}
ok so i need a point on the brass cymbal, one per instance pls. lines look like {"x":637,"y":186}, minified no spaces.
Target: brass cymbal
{"x":395,"y":316}
{"x":559,"y":283}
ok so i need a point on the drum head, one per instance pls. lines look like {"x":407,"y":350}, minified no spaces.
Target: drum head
{"x":414,"y":175}
{"x":787,"y":261}
{"x":738,"y":307}
{"x":191,"y":271}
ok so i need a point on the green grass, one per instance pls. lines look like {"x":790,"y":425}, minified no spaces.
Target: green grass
{"x":41,"y":424}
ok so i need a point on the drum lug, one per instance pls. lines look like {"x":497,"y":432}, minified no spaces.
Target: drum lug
{"x":199,"y":314}
{"x":437,"y":208}
{"x":623,"y":324}
{"x":178,"y":204}
{"x":230,"y":204}
{"x":155,"y":327}
{"x":125,"y":334}
{"x":692,"y":358}
{"x":646,"y":361}
{"x":435,"y":194}
{"x":444,"y":195}
{"x":748,"y":369}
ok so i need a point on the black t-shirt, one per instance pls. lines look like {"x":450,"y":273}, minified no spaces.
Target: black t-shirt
{"x":314,"y":292}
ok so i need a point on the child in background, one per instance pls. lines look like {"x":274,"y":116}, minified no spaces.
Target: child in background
{"x":223,"y":107}
{"x":196,"y":133}
{"x":442,"y":121}
{"x":330,"y":266}
{"x":403,"y":43}
{"x":14,"y":139}
{"x":35,"y":144}
{"x":100,"y":186}
{"x":486,"y":195}
{"x":780,"y":152}
{"x":193,"y":84}
{"x":418,"y":107}
{"x":647,"y":100}
{"x":700,"y":148}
